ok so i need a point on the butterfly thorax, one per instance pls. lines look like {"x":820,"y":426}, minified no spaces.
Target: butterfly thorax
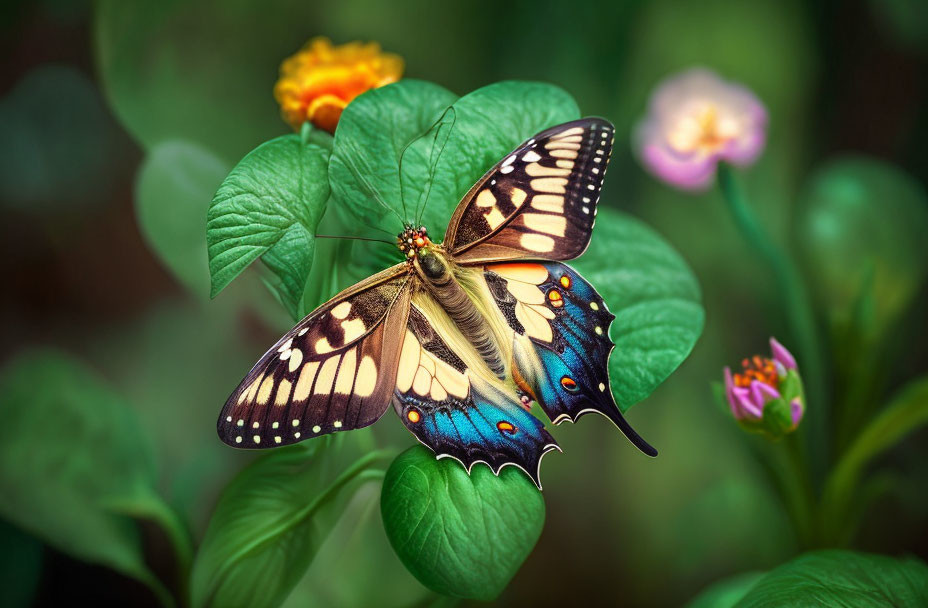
{"x":436,"y":270}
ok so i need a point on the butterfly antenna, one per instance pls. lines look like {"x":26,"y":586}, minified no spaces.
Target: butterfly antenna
{"x":437,"y":122}
{"x":434,"y":165}
{"x":373,"y":192}
{"x":354,"y":238}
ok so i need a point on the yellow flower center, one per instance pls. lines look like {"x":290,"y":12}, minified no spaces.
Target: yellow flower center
{"x":702,"y":129}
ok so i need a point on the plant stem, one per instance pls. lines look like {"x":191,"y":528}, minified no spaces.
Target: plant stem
{"x":798,"y":309}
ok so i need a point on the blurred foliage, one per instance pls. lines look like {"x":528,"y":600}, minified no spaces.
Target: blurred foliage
{"x":172,"y":193}
{"x":95,"y":473}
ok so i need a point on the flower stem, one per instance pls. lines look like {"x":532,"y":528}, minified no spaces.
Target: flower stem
{"x":801,"y":319}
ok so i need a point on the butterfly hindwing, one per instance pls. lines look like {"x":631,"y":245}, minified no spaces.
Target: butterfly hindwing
{"x":461,"y":414}
{"x":567,"y":323}
{"x":334,"y":371}
{"x":538,"y":202}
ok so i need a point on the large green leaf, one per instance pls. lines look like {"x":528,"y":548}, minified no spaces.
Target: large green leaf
{"x":654,"y":296}
{"x":842,"y":578}
{"x":74,"y":463}
{"x":172,"y":194}
{"x":269,"y":206}
{"x":460,"y":535}
{"x":371,"y":143}
{"x":272,"y":519}
{"x":862,"y":231}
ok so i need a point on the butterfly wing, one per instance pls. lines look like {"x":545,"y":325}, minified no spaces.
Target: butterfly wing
{"x":334,"y":371}
{"x":564,"y":361}
{"x":538,"y":202}
{"x":458,"y":412}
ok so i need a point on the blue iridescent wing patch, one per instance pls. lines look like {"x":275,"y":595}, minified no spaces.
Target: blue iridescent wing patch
{"x":563,"y":364}
{"x":459,"y":413}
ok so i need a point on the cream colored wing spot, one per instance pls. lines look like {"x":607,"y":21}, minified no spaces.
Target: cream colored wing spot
{"x":296,"y":357}
{"x":409,"y":362}
{"x":283,"y":393}
{"x":531,"y":156}
{"x":485,"y":199}
{"x":426,"y":375}
{"x":526,"y":292}
{"x":551,"y":185}
{"x":548,"y":202}
{"x":494,"y":218}
{"x":353,"y":329}
{"x":264,"y":392}
{"x":565,"y":164}
{"x":305,"y":382}
{"x":569,"y":133}
{"x":345,"y":379}
{"x":322,"y":346}
{"x":538,"y":170}
{"x":367,"y":377}
{"x":326,"y":376}
{"x":556,"y":144}
{"x":555,"y":225}
{"x":537,"y":242}
{"x":341,"y":311}
{"x":565,"y":154}
{"x":535,"y":321}
{"x":517,"y":196}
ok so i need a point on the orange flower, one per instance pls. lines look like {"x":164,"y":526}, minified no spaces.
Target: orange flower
{"x":320,"y":80}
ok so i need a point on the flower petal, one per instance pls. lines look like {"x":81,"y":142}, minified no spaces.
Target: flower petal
{"x":781,"y":355}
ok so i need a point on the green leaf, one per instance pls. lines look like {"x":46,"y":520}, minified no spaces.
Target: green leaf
{"x":460,"y":535}
{"x":172,"y":194}
{"x":727,"y":593}
{"x":74,"y":463}
{"x":270,"y":205}
{"x":372,"y":136}
{"x":654,"y":296}
{"x":842,"y":578}
{"x":862,"y":233}
{"x":271,"y":520}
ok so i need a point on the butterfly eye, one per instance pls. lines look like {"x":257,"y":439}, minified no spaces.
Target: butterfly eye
{"x":554,"y":296}
{"x":413,"y":416}
{"x":506,"y":427}
{"x":569,"y":385}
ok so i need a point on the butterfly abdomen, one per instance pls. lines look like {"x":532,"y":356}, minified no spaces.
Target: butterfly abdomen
{"x":437,"y":275}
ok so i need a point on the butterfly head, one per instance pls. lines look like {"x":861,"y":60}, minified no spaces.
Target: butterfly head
{"x":412,"y":239}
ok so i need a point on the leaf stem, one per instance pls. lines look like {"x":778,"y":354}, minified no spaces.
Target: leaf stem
{"x":906,"y":413}
{"x":798,"y":309}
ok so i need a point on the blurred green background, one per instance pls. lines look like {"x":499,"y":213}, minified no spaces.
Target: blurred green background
{"x":111,"y":109}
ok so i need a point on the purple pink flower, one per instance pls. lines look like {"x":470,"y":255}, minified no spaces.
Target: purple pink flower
{"x":766,"y":395}
{"x":695,"y":120}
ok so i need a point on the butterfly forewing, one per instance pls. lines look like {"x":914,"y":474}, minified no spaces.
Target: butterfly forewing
{"x":334,"y":371}
{"x":538,"y":202}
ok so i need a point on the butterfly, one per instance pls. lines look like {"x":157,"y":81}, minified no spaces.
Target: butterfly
{"x":462,"y":336}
